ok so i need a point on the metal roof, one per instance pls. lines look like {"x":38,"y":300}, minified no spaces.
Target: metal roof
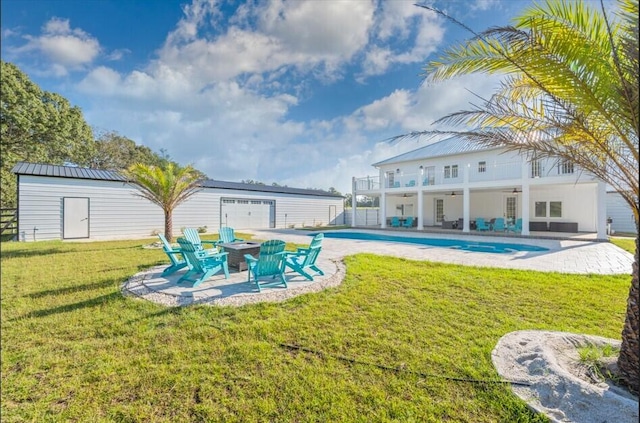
{"x":446,"y":147}
{"x":36,"y":169}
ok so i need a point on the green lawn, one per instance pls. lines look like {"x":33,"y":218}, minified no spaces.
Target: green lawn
{"x":628,"y":244}
{"x":74,"y":349}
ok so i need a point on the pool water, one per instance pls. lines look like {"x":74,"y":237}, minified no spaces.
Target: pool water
{"x":459,"y":244}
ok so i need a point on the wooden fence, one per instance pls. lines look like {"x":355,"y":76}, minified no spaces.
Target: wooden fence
{"x":9,"y":224}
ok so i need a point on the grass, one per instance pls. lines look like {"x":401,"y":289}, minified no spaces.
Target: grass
{"x":75,"y":349}
{"x":592,"y":358}
{"x":627,"y":244}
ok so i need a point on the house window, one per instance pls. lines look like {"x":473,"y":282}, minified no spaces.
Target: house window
{"x":555,"y":208}
{"x":447,"y":172}
{"x":565,"y":167}
{"x":536,"y":169}
{"x":482,"y":167}
{"x":454,"y":171}
{"x":541,"y":209}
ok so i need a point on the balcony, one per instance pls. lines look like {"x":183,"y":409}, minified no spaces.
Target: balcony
{"x":484,"y":172}
{"x":368,"y":183}
{"x":479,"y":172}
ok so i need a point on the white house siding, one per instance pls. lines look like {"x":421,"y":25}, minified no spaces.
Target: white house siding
{"x":579,"y":204}
{"x":116,"y":213}
{"x":620,"y":212}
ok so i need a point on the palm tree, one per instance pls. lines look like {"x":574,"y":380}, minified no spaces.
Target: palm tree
{"x":570,"y":91}
{"x":167,"y":186}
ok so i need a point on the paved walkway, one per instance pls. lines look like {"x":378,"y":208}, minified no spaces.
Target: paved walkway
{"x":566,"y":256}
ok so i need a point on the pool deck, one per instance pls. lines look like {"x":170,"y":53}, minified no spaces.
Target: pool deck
{"x":564,"y":255}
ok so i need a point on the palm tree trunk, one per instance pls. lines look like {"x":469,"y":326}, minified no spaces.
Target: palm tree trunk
{"x":628,"y":363}
{"x":168,"y":225}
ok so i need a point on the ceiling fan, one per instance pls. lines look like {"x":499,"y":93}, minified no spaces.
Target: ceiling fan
{"x":407,"y":195}
{"x":514,"y":191}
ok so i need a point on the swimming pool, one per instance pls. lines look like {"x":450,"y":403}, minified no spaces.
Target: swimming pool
{"x":459,"y":244}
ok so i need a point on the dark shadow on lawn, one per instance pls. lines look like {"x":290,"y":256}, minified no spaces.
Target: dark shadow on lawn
{"x":78,"y":288}
{"x":63,"y":249}
{"x":96,"y":285}
{"x":93,"y":302}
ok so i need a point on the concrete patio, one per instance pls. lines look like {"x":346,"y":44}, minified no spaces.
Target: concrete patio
{"x":563,"y":255}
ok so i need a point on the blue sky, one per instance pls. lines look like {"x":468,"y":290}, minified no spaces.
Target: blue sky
{"x":302,"y":93}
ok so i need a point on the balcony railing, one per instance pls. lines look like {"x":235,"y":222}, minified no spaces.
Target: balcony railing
{"x":495,"y":171}
{"x":368,"y":183}
{"x":477,"y":173}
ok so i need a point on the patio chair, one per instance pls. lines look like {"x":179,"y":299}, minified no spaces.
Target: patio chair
{"x":192,"y":236}
{"x":498,"y":225}
{"x":517,"y":227}
{"x":395,"y":222}
{"x":408,"y":222}
{"x":396,"y":184}
{"x":270,"y":262}
{"x":411,"y":183}
{"x":177,"y":263}
{"x":481,"y":225}
{"x":227,"y":235}
{"x":305,"y":258}
{"x":201,"y":268}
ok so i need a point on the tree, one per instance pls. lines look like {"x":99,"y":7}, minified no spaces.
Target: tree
{"x":167,"y":186}
{"x":37,"y":126}
{"x":570,"y":92}
{"x":114,"y":151}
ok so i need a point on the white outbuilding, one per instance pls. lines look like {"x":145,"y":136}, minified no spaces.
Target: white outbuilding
{"x":64,"y":202}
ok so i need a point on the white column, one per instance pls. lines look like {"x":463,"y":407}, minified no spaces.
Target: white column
{"x":466,"y":199}
{"x":353,"y":201}
{"x":383,"y":209}
{"x":525,"y":209}
{"x":524,"y":201}
{"x":420,"y":209}
{"x":601,"y":214}
{"x":466,"y":204}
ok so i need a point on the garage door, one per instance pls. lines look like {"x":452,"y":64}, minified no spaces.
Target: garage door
{"x":240,"y":213}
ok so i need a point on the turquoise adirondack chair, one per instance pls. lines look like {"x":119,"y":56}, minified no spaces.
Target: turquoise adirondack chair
{"x":226,"y":235}
{"x":177,"y":263}
{"x":305,"y":258}
{"x":481,"y":225}
{"x":517,"y":227}
{"x":201,"y":268}
{"x":498,"y":225}
{"x":270,"y":262}
{"x":408,"y":222}
{"x":191,"y":235}
{"x":411,"y":183}
{"x":395,"y":222}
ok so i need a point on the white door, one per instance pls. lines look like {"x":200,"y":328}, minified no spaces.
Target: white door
{"x":510,"y":211}
{"x":332,"y":215}
{"x":75,"y":217}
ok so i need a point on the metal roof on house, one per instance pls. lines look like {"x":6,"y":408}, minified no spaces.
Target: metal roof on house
{"x":446,"y":147}
{"x":35,"y":169}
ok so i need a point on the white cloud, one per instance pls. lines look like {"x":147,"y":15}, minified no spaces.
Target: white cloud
{"x":305,"y":36}
{"x":403,"y":34}
{"x":67,"y":49}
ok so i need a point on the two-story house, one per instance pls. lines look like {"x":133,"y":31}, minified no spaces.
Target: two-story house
{"x":453,"y":182}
